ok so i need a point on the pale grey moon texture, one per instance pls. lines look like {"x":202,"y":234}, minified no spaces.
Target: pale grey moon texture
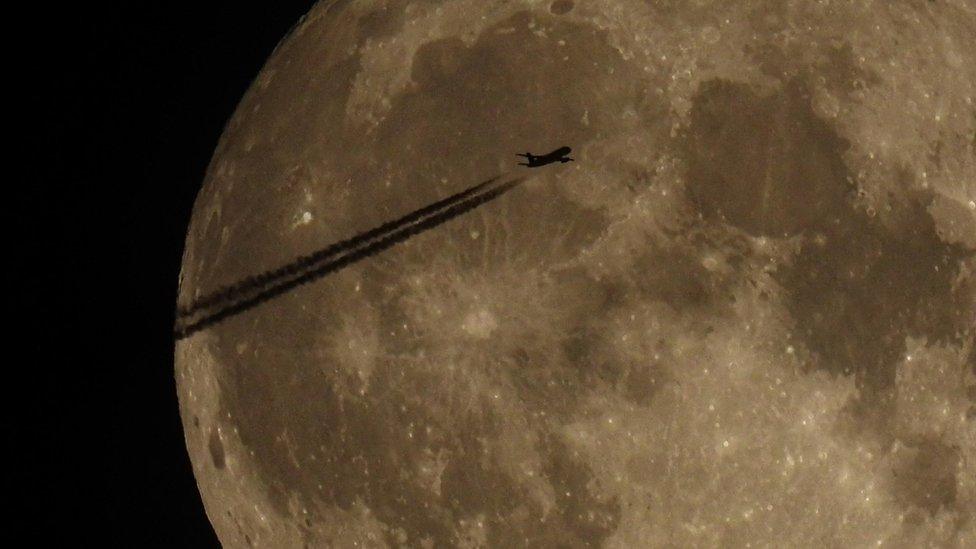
{"x":743,"y":317}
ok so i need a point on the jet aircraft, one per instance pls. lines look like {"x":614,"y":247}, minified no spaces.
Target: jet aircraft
{"x":535,"y":161}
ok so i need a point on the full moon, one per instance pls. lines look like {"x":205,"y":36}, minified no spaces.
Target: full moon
{"x":745,"y":315}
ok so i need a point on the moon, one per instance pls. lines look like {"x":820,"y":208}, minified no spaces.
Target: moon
{"x":744,"y":316}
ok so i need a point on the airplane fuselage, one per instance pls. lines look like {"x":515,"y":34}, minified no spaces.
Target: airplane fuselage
{"x":535,"y":161}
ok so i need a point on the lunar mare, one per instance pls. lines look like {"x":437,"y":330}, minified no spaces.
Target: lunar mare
{"x":745,"y":316}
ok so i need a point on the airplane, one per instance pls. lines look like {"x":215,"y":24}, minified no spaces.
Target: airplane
{"x":535,"y":161}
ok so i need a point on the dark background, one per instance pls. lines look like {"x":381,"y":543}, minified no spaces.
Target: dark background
{"x":151,"y":87}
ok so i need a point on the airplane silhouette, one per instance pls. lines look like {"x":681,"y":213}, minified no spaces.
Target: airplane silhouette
{"x":535,"y":161}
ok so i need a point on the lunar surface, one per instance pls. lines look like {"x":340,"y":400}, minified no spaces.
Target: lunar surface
{"x":743,"y":317}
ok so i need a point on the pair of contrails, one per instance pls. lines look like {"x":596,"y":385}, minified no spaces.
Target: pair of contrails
{"x":231,"y":300}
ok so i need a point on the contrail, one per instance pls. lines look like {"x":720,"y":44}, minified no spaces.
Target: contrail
{"x":232,"y":292}
{"x":339,"y":255}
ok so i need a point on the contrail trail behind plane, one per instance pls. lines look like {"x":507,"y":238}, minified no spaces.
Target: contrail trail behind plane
{"x":254,"y":290}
